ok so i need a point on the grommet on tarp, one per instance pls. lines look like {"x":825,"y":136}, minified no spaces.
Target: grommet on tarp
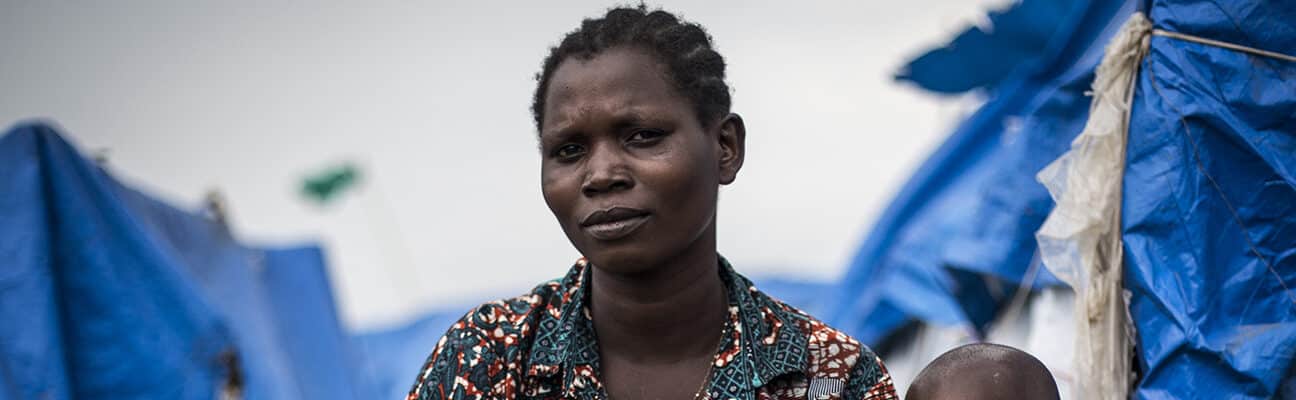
{"x":215,"y":207}
{"x":232,"y":389}
{"x":101,"y":156}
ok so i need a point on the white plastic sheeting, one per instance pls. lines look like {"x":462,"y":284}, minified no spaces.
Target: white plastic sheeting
{"x":1080,"y":241}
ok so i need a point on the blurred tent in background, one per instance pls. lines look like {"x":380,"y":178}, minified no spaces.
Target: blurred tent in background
{"x":108,"y":293}
{"x":953,"y":258}
{"x":113,"y":294}
{"x":1209,"y":217}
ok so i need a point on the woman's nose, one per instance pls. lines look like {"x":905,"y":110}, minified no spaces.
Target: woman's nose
{"x":607,"y":172}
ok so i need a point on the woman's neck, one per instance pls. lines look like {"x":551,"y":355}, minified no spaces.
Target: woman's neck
{"x":675,"y":312}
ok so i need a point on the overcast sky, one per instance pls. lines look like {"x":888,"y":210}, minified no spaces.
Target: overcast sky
{"x":431,"y":99}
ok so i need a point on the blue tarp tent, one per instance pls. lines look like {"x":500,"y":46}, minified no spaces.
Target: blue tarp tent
{"x":960,"y":234}
{"x":392,"y":357}
{"x":319,"y":353}
{"x":93,"y":307}
{"x":109,"y":294}
{"x":1209,"y":210}
{"x":1209,"y":196}
{"x":227,"y":277}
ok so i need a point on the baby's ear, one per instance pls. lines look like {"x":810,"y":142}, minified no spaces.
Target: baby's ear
{"x":732,"y":139}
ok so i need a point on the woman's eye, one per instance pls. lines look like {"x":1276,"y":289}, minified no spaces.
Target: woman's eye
{"x":569,"y":151}
{"x":642,"y":136}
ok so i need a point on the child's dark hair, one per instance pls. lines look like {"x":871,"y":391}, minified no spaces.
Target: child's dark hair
{"x":684,"y":49}
{"x":984,"y":371}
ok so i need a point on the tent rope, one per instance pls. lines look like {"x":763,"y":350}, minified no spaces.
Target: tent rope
{"x":1225,"y":45}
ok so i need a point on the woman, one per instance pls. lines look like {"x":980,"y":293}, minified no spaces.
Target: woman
{"x":636,"y":138}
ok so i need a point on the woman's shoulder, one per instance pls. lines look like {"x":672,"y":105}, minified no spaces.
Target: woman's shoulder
{"x":486,"y":344}
{"x":831,"y":353}
{"x":514,"y":321}
{"x":504,"y":319}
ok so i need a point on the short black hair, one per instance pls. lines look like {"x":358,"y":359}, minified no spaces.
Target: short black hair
{"x":683,"y":48}
{"x":984,"y":370}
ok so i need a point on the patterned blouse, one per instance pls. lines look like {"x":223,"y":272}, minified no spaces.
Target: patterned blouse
{"x":542,"y":346}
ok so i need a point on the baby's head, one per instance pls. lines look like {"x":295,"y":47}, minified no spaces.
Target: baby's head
{"x":984,"y":371}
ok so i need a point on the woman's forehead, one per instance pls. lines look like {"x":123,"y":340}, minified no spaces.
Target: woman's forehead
{"x":616,"y":81}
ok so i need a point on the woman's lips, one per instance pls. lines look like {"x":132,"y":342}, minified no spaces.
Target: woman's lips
{"x":615,"y":229}
{"x":614,"y":223}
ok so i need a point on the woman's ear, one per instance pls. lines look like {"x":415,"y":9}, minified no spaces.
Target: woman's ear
{"x":733,"y":146}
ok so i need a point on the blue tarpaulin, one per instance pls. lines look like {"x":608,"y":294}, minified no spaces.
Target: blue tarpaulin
{"x":1209,"y":197}
{"x":93,"y":306}
{"x":1209,"y":210}
{"x":227,"y":275}
{"x":393,"y":357}
{"x":960,"y":234}
{"x":319,"y":352}
{"x":1014,"y":36}
{"x":110,"y":294}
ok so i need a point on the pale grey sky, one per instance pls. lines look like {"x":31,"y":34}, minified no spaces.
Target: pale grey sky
{"x":431,"y":98}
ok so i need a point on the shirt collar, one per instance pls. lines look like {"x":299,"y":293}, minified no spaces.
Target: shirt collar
{"x":771,"y":343}
{"x":564,"y":344}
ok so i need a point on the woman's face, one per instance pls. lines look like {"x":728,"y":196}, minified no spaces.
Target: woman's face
{"x":627,"y":168}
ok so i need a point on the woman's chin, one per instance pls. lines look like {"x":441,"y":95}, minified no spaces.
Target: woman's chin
{"x":623,"y":261}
